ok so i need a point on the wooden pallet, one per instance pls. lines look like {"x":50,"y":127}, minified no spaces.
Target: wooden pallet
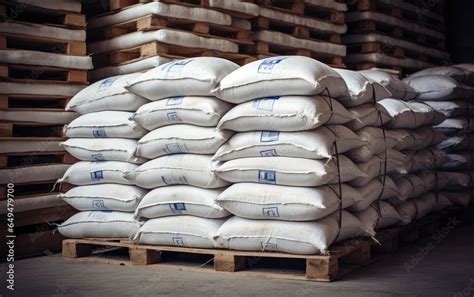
{"x":299,"y":7}
{"x":295,"y":30}
{"x":35,"y":188}
{"x":52,"y":45}
{"x":343,"y":259}
{"x":11,"y":160}
{"x":162,"y":49}
{"x":44,"y":215}
{"x":11,"y":10}
{"x":371,"y":26}
{"x":421,"y":15}
{"x":33,"y":101}
{"x":264,"y":49}
{"x":28,"y":73}
{"x":30,"y":129}
{"x":155,"y":22}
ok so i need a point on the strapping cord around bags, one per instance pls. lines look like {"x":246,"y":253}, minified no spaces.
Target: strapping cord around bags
{"x":435,"y":163}
{"x":58,"y":182}
{"x":336,"y":150}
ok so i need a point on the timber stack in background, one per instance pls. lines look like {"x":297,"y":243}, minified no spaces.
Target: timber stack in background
{"x":405,"y":36}
{"x":41,"y":68}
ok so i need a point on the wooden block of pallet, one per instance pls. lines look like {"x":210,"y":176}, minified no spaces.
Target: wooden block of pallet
{"x":26,"y":73}
{"x":162,"y":49}
{"x":39,"y":15}
{"x":342,"y":258}
{"x":52,"y":45}
{"x":269,"y":49}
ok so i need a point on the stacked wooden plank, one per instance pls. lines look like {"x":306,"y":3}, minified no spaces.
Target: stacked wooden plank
{"x":401,"y":35}
{"x":301,"y":27}
{"x":41,"y":67}
{"x":141,"y":36}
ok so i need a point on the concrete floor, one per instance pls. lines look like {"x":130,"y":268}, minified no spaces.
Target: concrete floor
{"x":433,"y":267}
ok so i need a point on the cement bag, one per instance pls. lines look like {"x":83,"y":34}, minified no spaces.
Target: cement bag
{"x":314,"y":144}
{"x":90,"y":173}
{"x":287,"y":113}
{"x":181,"y":200}
{"x":442,"y":202}
{"x":426,"y":137}
{"x":430,"y":180}
{"x":288,"y":237}
{"x":179,"y":139}
{"x":459,"y":198}
{"x":186,"y":231}
{"x":452,"y":109}
{"x":280,"y":76}
{"x":375,"y":140}
{"x":455,"y":125}
{"x":259,"y":201}
{"x":457,"y":162}
{"x":409,"y":115}
{"x":439,"y":88}
{"x":189,"y":77}
{"x":409,"y":186}
{"x":395,"y":86}
{"x":406,"y":139}
{"x":407,"y":211}
{"x":199,"y":111}
{"x":375,"y":189}
{"x":288,"y":171}
{"x":100,"y":224}
{"x":180,"y":169}
{"x":104,"y":124}
{"x":469,"y":73}
{"x":426,"y":159}
{"x":457,"y":143}
{"x":106,"y":94}
{"x":104,"y":197}
{"x":367,"y":115}
{"x":395,"y":161}
{"x":458,"y":74}
{"x":456,"y":181}
{"x":110,"y":149}
{"x":378,"y":216}
{"x":361,"y":89}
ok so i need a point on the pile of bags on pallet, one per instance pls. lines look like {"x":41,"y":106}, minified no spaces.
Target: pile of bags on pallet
{"x":283,"y":154}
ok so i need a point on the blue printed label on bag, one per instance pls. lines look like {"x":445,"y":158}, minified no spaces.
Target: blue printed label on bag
{"x":98,"y":204}
{"x":266,"y":103}
{"x":269,"y":136}
{"x":269,"y":153}
{"x":99,"y":133}
{"x":178,"y":240}
{"x":97,"y":157}
{"x":267,"y":176}
{"x":107,"y":83}
{"x":270,"y":211}
{"x":173,"y":117}
{"x":97,"y":175}
{"x":173,"y":148}
{"x":175,"y":67}
{"x":177,"y":207}
{"x":266,"y":67}
{"x":173,"y":101}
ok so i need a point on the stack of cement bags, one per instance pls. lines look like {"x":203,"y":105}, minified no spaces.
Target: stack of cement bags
{"x":448,"y":90}
{"x":286,"y":164}
{"x":104,"y":139}
{"x":182,"y":138}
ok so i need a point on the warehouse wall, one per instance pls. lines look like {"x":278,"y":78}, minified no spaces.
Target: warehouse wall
{"x":460,"y":22}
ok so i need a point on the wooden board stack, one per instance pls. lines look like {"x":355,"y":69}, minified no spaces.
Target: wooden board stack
{"x":135,"y":36}
{"x":41,"y":68}
{"x":302,"y":27}
{"x":401,"y":35}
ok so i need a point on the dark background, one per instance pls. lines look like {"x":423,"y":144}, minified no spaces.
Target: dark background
{"x":460,"y":30}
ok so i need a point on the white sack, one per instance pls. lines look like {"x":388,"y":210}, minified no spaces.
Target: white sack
{"x":181,"y":200}
{"x":199,"y":111}
{"x":379,"y":215}
{"x":100,"y":224}
{"x":439,"y":88}
{"x":185,"y":231}
{"x":459,"y":198}
{"x":314,"y":144}
{"x":367,"y":115}
{"x":179,"y":169}
{"x":377,"y":188}
{"x":259,"y":201}
{"x":179,"y":139}
{"x":270,"y":77}
{"x":286,"y":113}
{"x":104,"y":197}
{"x":102,"y":149}
{"x":106,"y":94}
{"x":104,"y":124}
{"x":189,"y":77}
{"x":395,"y":86}
{"x":288,"y":171}
{"x":375,"y":141}
{"x":90,"y":173}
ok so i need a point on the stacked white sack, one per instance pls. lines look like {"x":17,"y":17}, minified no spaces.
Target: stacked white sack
{"x":182,"y":137}
{"x":285,"y":192}
{"x":449,"y":90}
{"x":104,"y":139}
